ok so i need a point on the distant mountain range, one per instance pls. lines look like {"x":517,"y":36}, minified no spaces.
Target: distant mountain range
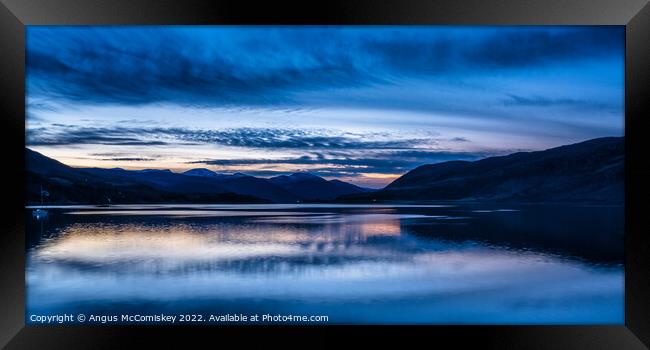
{"x":66,"y":184}
{"x":590,"y":171}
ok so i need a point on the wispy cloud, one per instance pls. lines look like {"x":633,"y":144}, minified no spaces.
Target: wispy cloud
{"x":239,"y":137}
{"x":348,"y":163}
{"x":72,"y":135}
{"x":325,"y":152}
{"x":128,"y":159}
{"x":541,"y":101}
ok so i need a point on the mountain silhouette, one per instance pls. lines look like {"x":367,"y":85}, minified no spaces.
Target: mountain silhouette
{"x":590,"y":171}
{"x":202,"y":172}
{"x":68,"y":185}
{"x":312,"y":187}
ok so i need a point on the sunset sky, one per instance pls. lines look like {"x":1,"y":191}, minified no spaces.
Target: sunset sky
{"x":361,"y":104}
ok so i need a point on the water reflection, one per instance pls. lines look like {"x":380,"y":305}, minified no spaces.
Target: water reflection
{"x":356,"y":264}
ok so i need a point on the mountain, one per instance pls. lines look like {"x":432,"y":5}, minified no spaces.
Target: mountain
{"x":250,"y":185}
{"x":159,"y":180}
{"x":67,"y":185}
{"x":590,"y":171}
{"x":311,"y":187}
{"x":201,"y":172}
{"x":96,"y":185}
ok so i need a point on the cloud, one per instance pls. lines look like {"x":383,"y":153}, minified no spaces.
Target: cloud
{"x":128,"y":159}
{"x":98,"y":66}
{"x":240,"y":137}
{"x":271,"y":66}
{"x":123,"y":157}
{"x":540,"y":101}
{"x":344,"y":163}
{"x":289,"y":138}
{"x":538,"y":46}
{"x":325,"y":152}
{"x":71,"y":135}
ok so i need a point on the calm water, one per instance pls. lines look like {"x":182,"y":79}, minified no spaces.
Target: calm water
{"x":455,"y":264}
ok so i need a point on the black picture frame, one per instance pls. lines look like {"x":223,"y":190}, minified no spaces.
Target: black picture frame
{"x":633,"y":14}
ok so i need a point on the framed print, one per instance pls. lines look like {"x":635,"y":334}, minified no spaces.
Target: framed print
{"x":467,"y":171}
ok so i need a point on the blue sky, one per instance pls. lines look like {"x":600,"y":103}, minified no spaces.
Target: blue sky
{"x":362,"y":104}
